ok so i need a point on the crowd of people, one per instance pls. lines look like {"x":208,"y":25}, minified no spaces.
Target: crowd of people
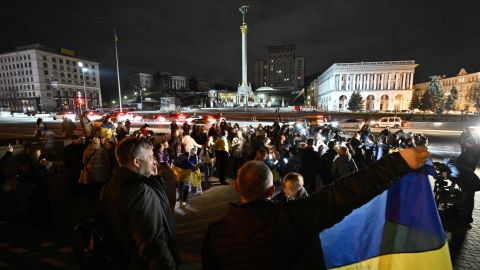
{"x":293,"y":182}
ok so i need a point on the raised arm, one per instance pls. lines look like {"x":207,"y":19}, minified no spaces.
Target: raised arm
{"x":327,"y":207}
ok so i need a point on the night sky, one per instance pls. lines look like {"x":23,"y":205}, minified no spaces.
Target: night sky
{"x":202,"y":37}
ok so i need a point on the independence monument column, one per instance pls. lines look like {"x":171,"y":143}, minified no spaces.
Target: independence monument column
{"x":244,"y":88}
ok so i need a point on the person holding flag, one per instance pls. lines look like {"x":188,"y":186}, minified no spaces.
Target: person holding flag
{"x":259,"y":234}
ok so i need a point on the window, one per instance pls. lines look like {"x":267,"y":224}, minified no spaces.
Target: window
{"x":54,"y":59}
{"x":54,"y":66}
{"x":67,"y":62}
{"x":45,"y":72}
{"x":45,"y":65}
{"x":60,"y":61}
{"x":49,"y":94}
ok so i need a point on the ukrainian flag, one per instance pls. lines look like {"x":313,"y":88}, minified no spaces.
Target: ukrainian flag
{"x":399,"y":229}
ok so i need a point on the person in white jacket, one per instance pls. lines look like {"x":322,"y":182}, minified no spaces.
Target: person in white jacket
{"x":188,"y":143}
{"x":207,"y":159}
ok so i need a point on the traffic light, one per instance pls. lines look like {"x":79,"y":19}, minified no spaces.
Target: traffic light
{"x":79,"y":102}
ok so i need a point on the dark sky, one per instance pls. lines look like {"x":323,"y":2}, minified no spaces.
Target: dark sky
{"x":202,"y":37}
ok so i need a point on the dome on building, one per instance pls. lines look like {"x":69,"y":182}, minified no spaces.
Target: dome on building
{"x":265,"y":89}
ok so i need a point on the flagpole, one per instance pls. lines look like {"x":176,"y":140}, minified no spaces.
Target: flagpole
{"x":118,"y":73}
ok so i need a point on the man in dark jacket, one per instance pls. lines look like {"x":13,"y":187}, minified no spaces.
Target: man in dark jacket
{"x":326,"y":161}
{"x":259,"y":234}
{"x":138,"y":212}
{"x":470,"y":155}
{"x":73,"y":162}
{"x":469,"y":182}
{"x":310,"y":166}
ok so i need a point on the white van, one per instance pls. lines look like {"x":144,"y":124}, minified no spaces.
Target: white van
{"x":393,"y":121}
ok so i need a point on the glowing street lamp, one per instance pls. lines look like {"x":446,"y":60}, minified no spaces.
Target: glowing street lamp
{"x":84,"y":70}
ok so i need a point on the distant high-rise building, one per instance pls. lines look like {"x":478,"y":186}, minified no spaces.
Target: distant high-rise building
{"x":282,"y":69}
{"x":33,"y":78}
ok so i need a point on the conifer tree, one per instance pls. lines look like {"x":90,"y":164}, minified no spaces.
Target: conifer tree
{"x":415,"y":101}
{"x":355,"y":103}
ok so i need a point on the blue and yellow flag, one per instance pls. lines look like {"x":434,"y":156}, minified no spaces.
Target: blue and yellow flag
{"x":399,"y":229}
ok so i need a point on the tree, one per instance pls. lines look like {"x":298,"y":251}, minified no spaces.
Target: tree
{"x":426,"y":101}
{"x":450,"y":103}
{"x":476,"y":97}
{"x":193,"y":84}
{"x":415,"y":102}
{"x":355,"y":103}
{"x":433,"y":99}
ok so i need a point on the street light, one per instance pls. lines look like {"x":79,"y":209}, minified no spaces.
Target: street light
{"x":84,"y":70}
{"x":141,"y":97}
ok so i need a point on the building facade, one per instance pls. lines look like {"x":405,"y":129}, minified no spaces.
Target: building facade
{"x":140,"y":81}
{"x":281,"y":69}
{"x":35,"y":79}
{"x":178,"y":82}
{"x":383,"y":85}
{"x":465,"y":83}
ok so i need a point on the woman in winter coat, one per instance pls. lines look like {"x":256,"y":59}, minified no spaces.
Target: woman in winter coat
{"x":238,"y":151}
{"x":188,"y":143}
{"x":343,"y":164}
{"x":207,"y":158}
{"x":96,"y":168}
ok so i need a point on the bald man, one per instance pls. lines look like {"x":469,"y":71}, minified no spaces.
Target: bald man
{"x":259,"y":234}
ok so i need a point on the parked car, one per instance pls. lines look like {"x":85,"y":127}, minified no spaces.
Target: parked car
{"x":192,"y":118}
{"x":155,"y":118}
{"x":123,"y":116}
{"x":350,"y":124}
{"x":178,"y":117}
{"x":94,"y":115}
{"x":69,"y":114}
{"x":207,"y":120}
{"x":393,"y":121}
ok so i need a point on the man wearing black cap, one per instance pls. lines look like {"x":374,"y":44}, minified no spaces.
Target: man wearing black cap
{"x":72,"y":161}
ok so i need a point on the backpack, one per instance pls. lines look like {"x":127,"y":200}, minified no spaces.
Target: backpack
{"x":93,"y":243}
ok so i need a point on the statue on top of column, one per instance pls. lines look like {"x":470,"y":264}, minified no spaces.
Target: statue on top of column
{"x":243,"y":10}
